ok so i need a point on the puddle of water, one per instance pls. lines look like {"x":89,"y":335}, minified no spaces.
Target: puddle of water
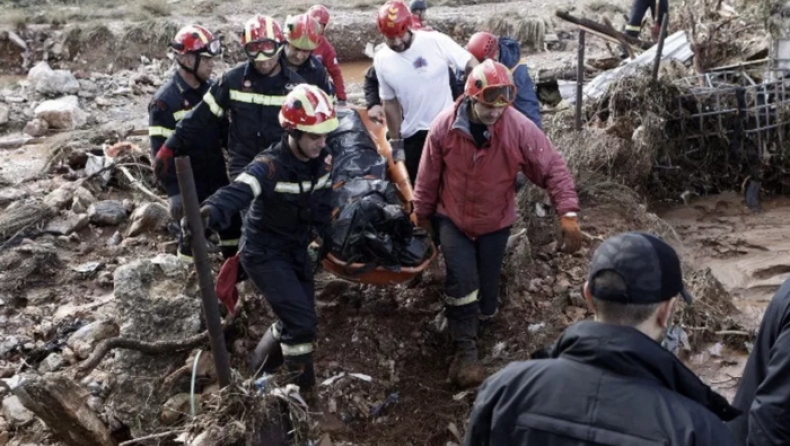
{"x":354,"y":72}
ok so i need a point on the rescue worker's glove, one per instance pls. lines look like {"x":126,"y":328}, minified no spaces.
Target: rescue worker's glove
{"x":186,"y":231}
{"x":176,"y":205}
{"x":398,"y":154}
{"x":571,"y":233}
{"x":376,"y":113}
{"x":162,"y":161}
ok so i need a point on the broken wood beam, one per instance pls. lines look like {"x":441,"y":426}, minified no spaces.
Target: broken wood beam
{"x":580,"y":81}
{"x":603,"y":29}
{"x":58,"y":401}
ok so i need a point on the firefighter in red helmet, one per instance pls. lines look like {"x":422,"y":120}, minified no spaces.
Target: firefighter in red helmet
{"x":288,"y":189}
{"x":414,"y":80}
{"x":193,"y":49}
{"x":325,"y":52}
{"x":249,"y":95}
{"x":302,"y":36}
{"x":472,"y":204}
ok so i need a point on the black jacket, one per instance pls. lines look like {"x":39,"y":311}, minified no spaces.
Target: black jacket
{"x":252,"y":103}
{"x":764,"y":391}
{"x":169,"y":106}
{"x":291,"y":202}
{"x":603,"y":385}
{"x":313,"y":72}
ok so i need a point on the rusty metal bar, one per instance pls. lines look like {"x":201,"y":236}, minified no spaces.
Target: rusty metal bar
{"x":660,"y":50}
{"x":186,"y":183}
{"x":580,"y":80}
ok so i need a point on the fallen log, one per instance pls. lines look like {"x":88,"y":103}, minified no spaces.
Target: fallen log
{"x":598,"y":28}
{"x":58,"y":401}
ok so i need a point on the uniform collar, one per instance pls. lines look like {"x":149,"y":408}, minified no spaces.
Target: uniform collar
{"x":462,"y":121}
{"x":182,"y":85}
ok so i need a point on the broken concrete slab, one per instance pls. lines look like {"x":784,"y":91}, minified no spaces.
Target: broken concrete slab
{"x":63,"y":113}
{"x":58,"y":401}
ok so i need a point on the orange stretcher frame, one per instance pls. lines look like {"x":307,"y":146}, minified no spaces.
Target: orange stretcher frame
{"x":397,"y":174}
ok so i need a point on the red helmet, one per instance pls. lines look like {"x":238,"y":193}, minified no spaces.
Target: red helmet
{"x":394,"y":19}
{"x":309,"y":109}
{"x":492,"y":84}
{"x":483,"y":46}
{"x":302,"y":32}
{"x":262,"y":38}
{"x":195,"y":39}
{"x":320,"y":13}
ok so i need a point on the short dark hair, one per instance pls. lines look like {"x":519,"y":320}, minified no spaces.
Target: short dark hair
{"x":607,"y":285}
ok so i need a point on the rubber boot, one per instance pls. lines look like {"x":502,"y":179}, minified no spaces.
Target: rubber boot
{"x":465,"y":370}
{"x":268,"y":355}
{"x":300,"y":372}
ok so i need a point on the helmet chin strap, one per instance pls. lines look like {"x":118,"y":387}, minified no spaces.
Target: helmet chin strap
{"x":297,"y":135}
{"x":192,"y":71}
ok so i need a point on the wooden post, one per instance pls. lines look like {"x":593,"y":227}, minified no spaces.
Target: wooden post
{"x":186,"y":183}
{"x":580,"y":80}
{"x":661,"y":37}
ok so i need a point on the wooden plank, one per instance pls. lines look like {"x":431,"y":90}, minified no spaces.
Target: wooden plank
{"x":603,"y":29}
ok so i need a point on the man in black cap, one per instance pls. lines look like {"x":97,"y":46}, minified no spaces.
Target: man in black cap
{"x":764,"y":391}
{"x":608,"y":381}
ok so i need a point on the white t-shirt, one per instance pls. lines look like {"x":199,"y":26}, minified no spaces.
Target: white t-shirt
{"x":419,"y":77}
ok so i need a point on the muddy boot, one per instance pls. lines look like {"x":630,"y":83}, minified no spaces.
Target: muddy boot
{"x":268,"y":355}
{"x":300,"y":372}
{"x":465,"y":370}
{"x":485,"y":324}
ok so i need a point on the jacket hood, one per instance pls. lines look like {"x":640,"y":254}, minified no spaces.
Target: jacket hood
{"x":509,"y":52}
{"x":627,"y":351}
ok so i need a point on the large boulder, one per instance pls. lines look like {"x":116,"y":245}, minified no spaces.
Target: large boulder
{"x":62,"y":113}
{"x":51,"y":82}
{"x":149,"y":301}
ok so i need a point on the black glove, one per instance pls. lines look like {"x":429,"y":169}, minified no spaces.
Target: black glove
{"x":186,"y":231}
{"x":176,"y":205}
{"x":398,"y":154}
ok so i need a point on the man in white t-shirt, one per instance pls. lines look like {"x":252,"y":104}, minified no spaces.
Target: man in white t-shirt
{"x":414,"y":82}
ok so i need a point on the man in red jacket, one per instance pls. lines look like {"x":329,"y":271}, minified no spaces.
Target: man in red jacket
{"x":471,"y":158}
{"x":326,"y":52}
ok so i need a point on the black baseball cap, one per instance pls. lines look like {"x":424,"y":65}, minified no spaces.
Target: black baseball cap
{"x":649,"y":267}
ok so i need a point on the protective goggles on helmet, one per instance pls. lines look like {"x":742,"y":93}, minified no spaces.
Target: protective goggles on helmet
{"x":266,"y":47}
{"x":214,"y":48}
{"x":497,"y":95}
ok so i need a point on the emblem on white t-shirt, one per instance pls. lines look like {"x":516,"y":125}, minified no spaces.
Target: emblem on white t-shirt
{"x":420,"y":63}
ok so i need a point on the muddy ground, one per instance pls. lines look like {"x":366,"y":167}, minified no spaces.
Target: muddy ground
{"x":390,"y":335}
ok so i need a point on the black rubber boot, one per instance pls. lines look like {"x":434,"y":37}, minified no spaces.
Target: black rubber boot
{"x":300,"y":372}
{"x":268,"y":355}
{"x":465,"y":370}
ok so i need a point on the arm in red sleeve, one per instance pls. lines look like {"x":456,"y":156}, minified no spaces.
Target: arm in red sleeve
{"x":426,"y":192}
{"x":330,"y":62}
{"x":546,"y":168}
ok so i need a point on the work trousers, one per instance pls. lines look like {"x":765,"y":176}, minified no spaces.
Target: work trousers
{"x":473,"y":269}
{"x":638,"y":10}
{"x":288,"y":286}
{"x":412,"y":146}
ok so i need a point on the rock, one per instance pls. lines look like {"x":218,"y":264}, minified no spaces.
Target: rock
{"x":58,"y":401}
{"x":104,"y":279}
{"x":83,"y":340}
{"x":4,"y":436}
{"x":11,"y":194}
{"x":8,"y":344}
{"x":176,"y":407}
{"x":36,"y":127}
{"x":51,"y":363}
{"x":107,"y":213}
{"x":14,"y":412}
{"x":82,"y":200}
{"x":61,"y":197}
{"x":88,"y":89}
{"x":51,"y":82}
{"x":151,"y":217}
{"x":115,"y":240}
{"x":63,"y":113}
{"x":67,"y":225}
{"x":152,"y":308}
{"x":3,"y":114}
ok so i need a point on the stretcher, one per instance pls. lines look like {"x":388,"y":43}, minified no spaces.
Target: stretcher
{"x":397,"y":174}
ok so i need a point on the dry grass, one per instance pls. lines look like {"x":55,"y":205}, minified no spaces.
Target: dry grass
{"x":530,"y":32}
{"x":157,"y":8}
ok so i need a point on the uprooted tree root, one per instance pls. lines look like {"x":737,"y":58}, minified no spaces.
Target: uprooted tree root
{"x":240,"y":415}
{"x":712,"y":310}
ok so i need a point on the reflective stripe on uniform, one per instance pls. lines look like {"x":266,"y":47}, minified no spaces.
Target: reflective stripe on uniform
{"x":208,"y":98}
{"x":155,"y":130}
{"x":231,"y":242}
{"x":458,"y":301}
{"x":251,"y":181}
{"x":179,"y":115}
{"x":255,"y":98}
{"x":297,"y":349}
{"x":293,"y":188}
{"x":275,"y":331}
{"x":633,"y":28}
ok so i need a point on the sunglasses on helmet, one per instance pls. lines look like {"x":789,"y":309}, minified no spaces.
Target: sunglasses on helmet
{"x":267,"y":47}
{"x":497,"y":95}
